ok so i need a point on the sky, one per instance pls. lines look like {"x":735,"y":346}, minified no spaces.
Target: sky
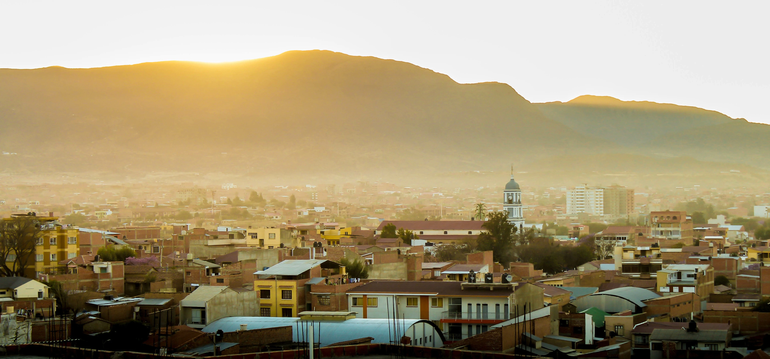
{"x":709,"y":54}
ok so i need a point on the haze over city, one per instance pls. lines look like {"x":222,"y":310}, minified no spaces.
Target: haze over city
{"x":369,"y":179}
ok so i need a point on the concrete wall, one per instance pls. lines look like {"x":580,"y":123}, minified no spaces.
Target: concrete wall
{"x":230,"y":303}
{"x":389,"y":271}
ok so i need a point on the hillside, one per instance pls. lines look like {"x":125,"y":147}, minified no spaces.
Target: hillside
{"x":324,"y":115}
{"x":614,"y":120}
{"x":294,"y":113}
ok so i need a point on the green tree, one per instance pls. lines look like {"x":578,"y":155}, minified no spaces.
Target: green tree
{"x":698,"y":218}
{"x":257,"y":199}
{"x":721,"y":280}
{"x":481,"y":211}
{"x":115,"y":254}
{"x":498,"y":237}
{"x":355,"y":268}
{"x":406,"y":236}
{"x":411,"y":214}
{"x":18,"y":238}
{"x":596,"y":227}
{"x":389,"y":231}
{"x":750,"y":224}
{"x":292,"y":202}
{"x":451,"y":252}
{"x":76,"y":219}
{"x":183,"y":215}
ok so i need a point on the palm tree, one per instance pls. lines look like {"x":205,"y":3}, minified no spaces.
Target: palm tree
{"x":481,"y":211}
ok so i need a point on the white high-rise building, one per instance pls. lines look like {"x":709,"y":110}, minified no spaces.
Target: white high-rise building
{"x":585,"y":199}
{"x":512,"y":203}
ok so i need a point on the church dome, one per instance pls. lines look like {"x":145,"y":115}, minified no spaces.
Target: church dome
{"x":512,"y":185}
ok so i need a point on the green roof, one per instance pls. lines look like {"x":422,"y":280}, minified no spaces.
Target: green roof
{"x":597,"y":314}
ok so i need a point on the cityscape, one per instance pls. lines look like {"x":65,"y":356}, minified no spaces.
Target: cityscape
{"x":371,"y":180}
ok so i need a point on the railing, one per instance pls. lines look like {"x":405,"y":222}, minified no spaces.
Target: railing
{"x":474,"y":316}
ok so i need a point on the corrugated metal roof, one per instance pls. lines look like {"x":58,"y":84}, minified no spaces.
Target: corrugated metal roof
{"x":154,"y":301}
{"x":200,"y":296}
{"x":326,"y":332}
{"x":711,"y":336}
{"x":578,"y":292}
{"x":291,"y":267}
{"x":632,"y":294}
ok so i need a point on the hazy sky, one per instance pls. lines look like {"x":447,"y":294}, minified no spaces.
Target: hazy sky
{"x":707,"y":54}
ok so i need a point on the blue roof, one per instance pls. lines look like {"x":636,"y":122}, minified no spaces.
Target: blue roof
{"x":578,"y":292}
{"x":632,"y":294}
{"x":326,"y":332}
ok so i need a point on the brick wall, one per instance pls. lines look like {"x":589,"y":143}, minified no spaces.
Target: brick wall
{"x":745,"y":322}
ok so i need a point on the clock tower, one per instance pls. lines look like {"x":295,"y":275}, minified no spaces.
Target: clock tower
{"x":512,"y":203}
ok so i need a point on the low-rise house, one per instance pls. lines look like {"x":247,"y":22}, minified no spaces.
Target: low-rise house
{"x":282,"y":287}
{"x":687,"y":278}
{"x":209,"y":303}
{"x":21,"y":288}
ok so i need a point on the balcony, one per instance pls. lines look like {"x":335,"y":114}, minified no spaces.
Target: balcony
{"x":474,"y":317}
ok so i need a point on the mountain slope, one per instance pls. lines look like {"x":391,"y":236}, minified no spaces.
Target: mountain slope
{"x":628,"y":123}
{"x":296,"y":112}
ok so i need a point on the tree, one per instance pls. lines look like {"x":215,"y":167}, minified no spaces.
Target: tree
{"x":61,"y":295}
{"x":292,"y":202}
{"x":183,"y":215}
{"x":355,"y":268}
{"x":257,"y":199}
{"x":721,"y":280}
{"x":481,"y":211}
{"x":451,"y":252}
{"x":406,"y":236}
{"x":18,"y":238}
{"x":499,"y":237}
{"x":76,"y":219}
{"x":112,"y":254}
{"x":698,"y":218}
{"x":411,"y":214}
{"x":389,"y":231}
{"x":596,"y":227}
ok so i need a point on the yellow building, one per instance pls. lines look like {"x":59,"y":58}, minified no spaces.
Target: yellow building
{"x":281,"y":288}
{"x":55,"y":243}
{"x":334,"y":235}
{"x":269,"y":238}
{"x":759,"y":254}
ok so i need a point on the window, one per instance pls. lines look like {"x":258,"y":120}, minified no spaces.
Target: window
{"x":264,"y":312}
{"x":577,"y":330}
{"x":324,"y":299}
{"x":641,"y":339}
{"x":10,"y":258}
{"x":437,"y":302}
{"x":285,"y":294}
{"x":271,"y":235}
{"x":286,"y":312}
{"x":264,"y":293}
{"x":445,"y":232}
{"x":155,"y":249}
{"x":39,"y":257}
{"x":53,"y":257}
{"x":39,"y":241}
{"x":220,"y":280}
{"x":254,"y":235}
{"x":713,"y":346}
{"x":563,"y":323}
{"x":619,"y":330}
{"x":71,"y":255}
{"x":72,"y":240}
{"x":198,"y":316}
{"x":371,"y":302}
{"x":470,"y":232}
{"x":411,"y":302}
{"x":53,"y":241}
{"x":358,"y":301}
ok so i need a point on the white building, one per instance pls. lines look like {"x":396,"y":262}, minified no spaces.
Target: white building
{"x":762,"y":211}
{"x":512,"y":203}
{"x":583,"y":199}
